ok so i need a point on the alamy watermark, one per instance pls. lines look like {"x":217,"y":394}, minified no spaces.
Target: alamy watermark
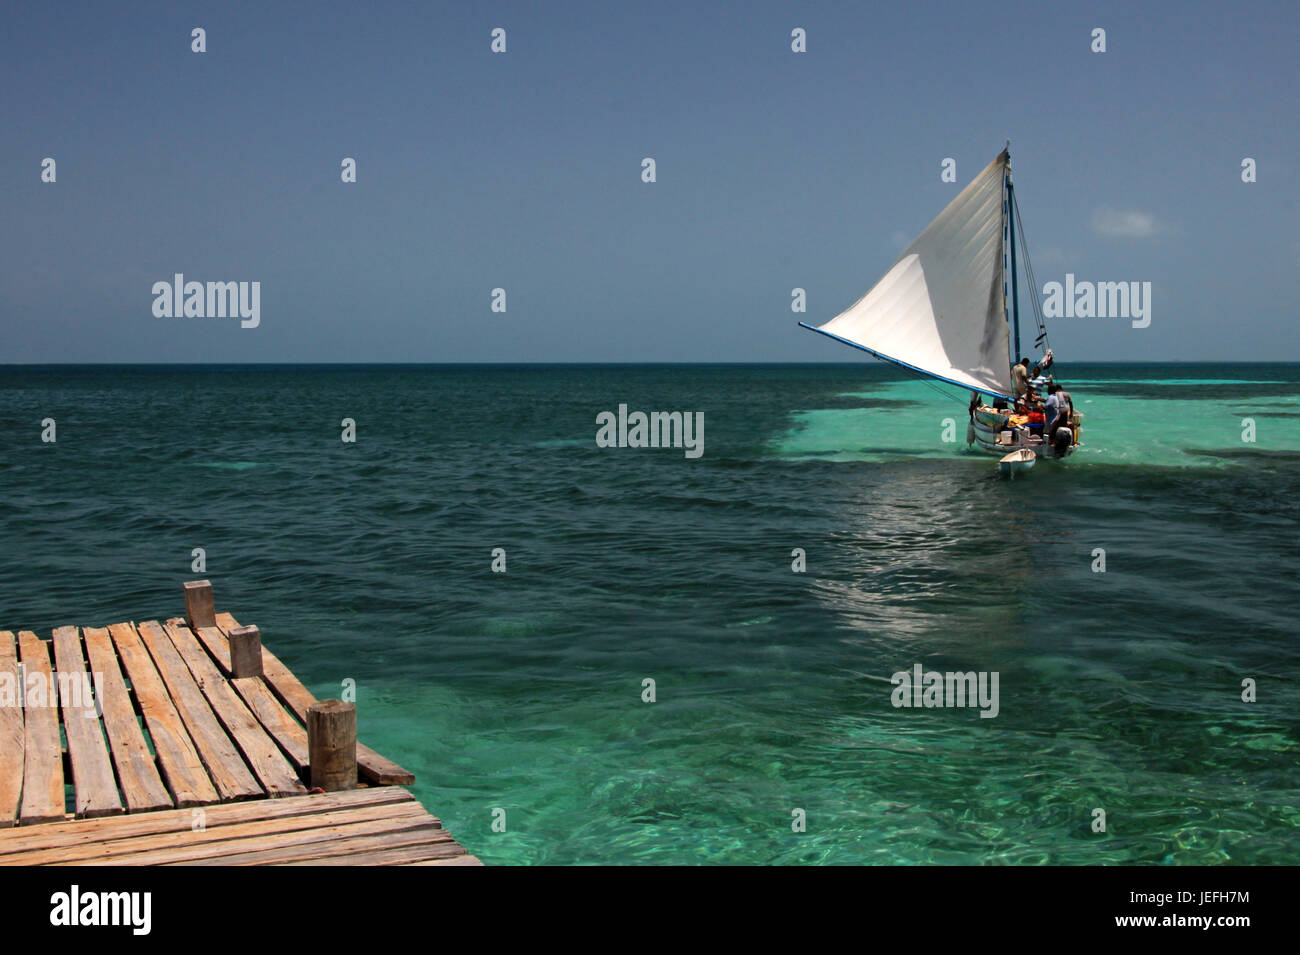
{"x":1073,"y":299}
{"x":182,"y":299}
{"x":32,"y":690}
{"x":658,"y":429}
{"x":930,"y":688}
{"x":132,"y":910}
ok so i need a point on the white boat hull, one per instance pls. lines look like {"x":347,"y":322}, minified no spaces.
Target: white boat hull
{"x":987,"y":424}
{"x":1017,"y":462}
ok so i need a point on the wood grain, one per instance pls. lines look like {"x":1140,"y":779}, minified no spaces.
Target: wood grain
{"x":219,"y":754}
{"x":273,"y":771}
{"x":179,"y":761}
{"x":43,"y":752}
{"x":13,"y":741}
{"x":94,"y":786}
{"x":137,"y":771}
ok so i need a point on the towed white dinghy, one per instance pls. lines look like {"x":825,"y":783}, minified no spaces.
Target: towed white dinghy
{"x":1017,"y":462}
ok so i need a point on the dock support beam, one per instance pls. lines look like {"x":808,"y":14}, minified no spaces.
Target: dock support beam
{"x":332,"y":745}
{"x":200,"y":610}
{"x":245,"y":652}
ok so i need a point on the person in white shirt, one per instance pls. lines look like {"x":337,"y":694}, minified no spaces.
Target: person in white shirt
{"x":1056,"y":411}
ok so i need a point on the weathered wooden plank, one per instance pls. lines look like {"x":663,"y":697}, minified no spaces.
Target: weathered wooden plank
{"x":12,"y":734}
{"x":278,"y":677}
{"x":259,"y":697}
{"x":137,"y":772}
{"x":182,"y":769}
{"x":299,"y":843}
{"x":43,"y":750}
{"x":272,"y":714}
{"x":277,"y":777}
{"x":15,"y":843}
{"x":321,"y":844}
{"x":220,"y":756}
{"x":215,"y":640}
{"x":116,"y":851}
{"x":370,"y":765}
{"x":275,"y":718}
{"x":426,"y":852}
{"x":94,"y":788}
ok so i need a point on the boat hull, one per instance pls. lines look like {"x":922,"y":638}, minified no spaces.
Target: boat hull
{"x":987,"y":424}
{"x":1017,"y":462}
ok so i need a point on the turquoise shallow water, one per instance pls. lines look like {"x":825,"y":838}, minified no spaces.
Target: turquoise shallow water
{"x":1118,"y":690}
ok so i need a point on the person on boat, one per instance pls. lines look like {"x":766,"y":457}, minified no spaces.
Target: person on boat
{"x":1035,"y":419}
{"x":1065,"y":407}
{"x":1058,"y":409}
{"x":1059,"y":432}
{"x":1051,"y":406}
{"x":1042,"y":366}
{"x":1030,"y":402}
{"x":1020,"y":378}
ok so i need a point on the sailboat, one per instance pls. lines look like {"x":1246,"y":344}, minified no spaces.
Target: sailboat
{"x":943,"y":312}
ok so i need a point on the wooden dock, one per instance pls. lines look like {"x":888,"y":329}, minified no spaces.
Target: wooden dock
{"x":187,"y":742}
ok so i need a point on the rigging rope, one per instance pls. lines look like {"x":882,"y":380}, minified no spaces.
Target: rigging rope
{"x":1041,"y":340}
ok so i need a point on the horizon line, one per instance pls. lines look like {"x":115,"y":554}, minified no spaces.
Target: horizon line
{"x":568,"y":364}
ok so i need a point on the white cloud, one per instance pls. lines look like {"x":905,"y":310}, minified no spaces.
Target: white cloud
{"x":1119,"y":224}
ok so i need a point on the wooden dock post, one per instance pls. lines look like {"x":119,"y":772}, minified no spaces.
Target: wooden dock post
{"x":200,"y":610}
{"x":332,"y":745}
{"x":245,"y":652}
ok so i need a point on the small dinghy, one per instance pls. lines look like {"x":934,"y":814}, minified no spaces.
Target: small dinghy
{"x":1020,"y":460}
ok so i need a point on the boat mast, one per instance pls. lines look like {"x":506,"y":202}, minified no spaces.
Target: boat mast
{"x":1015,"y":294}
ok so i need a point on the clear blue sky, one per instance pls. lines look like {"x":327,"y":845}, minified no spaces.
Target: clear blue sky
{"x":522,"y":170}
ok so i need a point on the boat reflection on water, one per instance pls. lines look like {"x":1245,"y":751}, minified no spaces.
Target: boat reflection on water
{"x":923,"y":566}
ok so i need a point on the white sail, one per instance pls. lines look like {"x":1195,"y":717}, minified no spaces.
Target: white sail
{"x":941,"y":308}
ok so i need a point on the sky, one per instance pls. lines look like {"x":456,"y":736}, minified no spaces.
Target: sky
{"x":522,"y":171}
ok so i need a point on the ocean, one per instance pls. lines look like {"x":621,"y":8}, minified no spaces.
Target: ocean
{"x":1126,"y":598}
